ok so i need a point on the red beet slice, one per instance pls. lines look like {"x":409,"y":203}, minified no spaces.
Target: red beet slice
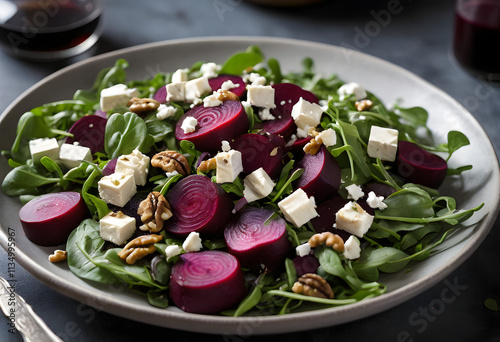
{"x":101,"y":113}
{"x":326,"y":216}
{"x":207,"y":282}
{"x":89,"y":132}
{"x":216,"y":82}
{"x":286,"y":95}
{"x":255,"y":241}
{"x":48,"y":220}
{"x":215,"y":124}
{"x":306,"y":264}
{"x":198,"y":205}
{"x":321,"y":176}
{"x":109,"y":168}
{"x":379,"y":189}
{"x":419,"y":166}
{"x":161,"y":95}
{"x":260,"y":150}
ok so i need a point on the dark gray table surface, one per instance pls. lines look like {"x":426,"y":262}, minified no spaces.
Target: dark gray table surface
{"x":417,"y":38}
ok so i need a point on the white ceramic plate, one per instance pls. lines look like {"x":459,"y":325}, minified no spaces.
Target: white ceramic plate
{"x":382,"y":78}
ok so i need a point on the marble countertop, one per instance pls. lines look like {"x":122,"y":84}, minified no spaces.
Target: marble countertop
{"x":416,"y":35}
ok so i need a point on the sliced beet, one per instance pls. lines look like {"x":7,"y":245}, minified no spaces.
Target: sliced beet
{"x":419,"y":166}
{"x":110,"y":167}
{"x":256,"y":240}
{"x":326,"y":216}
{"x":214,"y":124}
{"x":379,"y":189}
{"x":305,"y":264}
{"x":296,"y":147}
{"x":216,"y":83}
{"x":286,"y":95}
{"x":207,"y":282}
{"x":101,"y":113}
{"x":161,"y":95}
{"x":89,"y":132}
{"x":260,"y":150}
{"x":198,"y":205}
{"x":48,"y":220}
{"x":321,"y":176}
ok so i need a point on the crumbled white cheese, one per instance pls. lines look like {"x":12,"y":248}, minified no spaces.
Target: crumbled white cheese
{"x":176,"y":91}
{"x":117,"y":188}
{"x":305,"y":113}
{"x":72,"y":155}
{"x":228,"y":85}
{"x":189,"y":124}
{"x":354,"y":192}
{"x":375,"y":202}
{"x":265,"y":114}
{"x":192,"y":243}
{"x":303,"y":132}
{"x":117,"y":227}
{"x":229,"y":166}
{"x":165,"y":111}
{"x":171,"y":174}
{"x":212,"y":101}
{"x":351,"y":88}
{"x":180,"y":75}
{"x":383,"y":143}
{"x":135,"y":163}
{"x":258,"y":185}
{"x":116,"y":96}
{"x":352,"y":249}
{"x":353,"y":219}
{"x":225,"y":146}
{"x":48,"y":147}
{"x":172,"y":250}
{"x":210,"y":69}
{"x":298,"y":208}
{"x":303,"y":250}
{"x":261,"y":96}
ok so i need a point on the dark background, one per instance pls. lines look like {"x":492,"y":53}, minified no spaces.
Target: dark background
{"x":417,"y":38}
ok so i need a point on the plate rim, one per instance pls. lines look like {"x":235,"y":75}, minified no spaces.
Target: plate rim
{"x":259,"y":325}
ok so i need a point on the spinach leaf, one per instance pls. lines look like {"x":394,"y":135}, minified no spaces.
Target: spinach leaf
{"x":240,"y":61}
{"x":124,"y":133}
{"x":84,"y":245}
{"x":26,"y":180}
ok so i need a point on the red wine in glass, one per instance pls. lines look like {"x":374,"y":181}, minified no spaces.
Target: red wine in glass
{"x":476,"y":43}
{"x":49,"y":29}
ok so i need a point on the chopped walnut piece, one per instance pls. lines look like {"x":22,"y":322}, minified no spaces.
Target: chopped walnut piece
{"x":170,"y":161}
{"x":311,"y":284}
{"x":139,"y":247}
{"x":226,"y":95}
{"x":328,"y":239}
{"x":58,"y":256}
{"x":141,"y":106}
{"x":154,"y":210}
{"x":207,"y":165}
{"x":363,"y":105}
{"x":313,"y":146}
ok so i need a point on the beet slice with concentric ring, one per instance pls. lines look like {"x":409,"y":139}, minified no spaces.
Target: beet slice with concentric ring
{"x":419,"y":166}
{"x":321,"y":176}
{"x":216,"y":83}
{"x":260,"y":150}
{"x":207,"y":282}
{"x":214,"y":124}
{"x":286,"y":95}
{"x":198,"y":205}
{"x":256,"y":239}
{"x":48,"y":219}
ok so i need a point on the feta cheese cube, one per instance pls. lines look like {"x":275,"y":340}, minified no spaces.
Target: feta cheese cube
{"x":176,"y":91}
{"x":117,"y":227}
{"x":189,"y":124}
{"x":44,"y":147}
{"x":261,"y":96}
{"x":210,"y":69}
{"x":351,"y":88}
{"x":383,"y":143}
{"x":354,"y":192}
{"x":135,"y":163}
{"x":298,"y":208}
{"x":303,"y":132}
{"x":352,"y":250}
{"x":353,"y":219}
{"x":117,"y":188}
{"x":229,"y":166}
{"x":196,"y":88}
{"x":72,"y":155}
{"x":305,"y":113}
{"x":212,"y":101}
{"x":258,"y":185}
{"x":165,"y":111}
{"x":116,"y":96}
{"x":180,"y":75}
{"x":328,"y":137}
{"x":375,"y":202}
{"x":192,"y":242}
{"x":172,"y":250}
{"x":303,"y":250}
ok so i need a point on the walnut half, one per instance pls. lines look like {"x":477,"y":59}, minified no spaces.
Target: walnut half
{"x":142,"y":106}
{"x":139,"y":247}
{"x":170,"y":161}
{"x":311,"y":284}
{"x":154,"y":211}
